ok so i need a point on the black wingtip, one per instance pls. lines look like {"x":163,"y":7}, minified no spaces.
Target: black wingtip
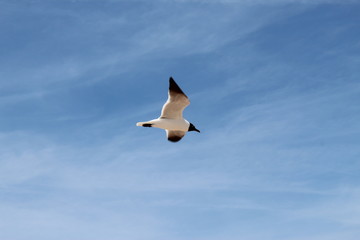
{"x":174,"y":138}
{"x":173,"y":86}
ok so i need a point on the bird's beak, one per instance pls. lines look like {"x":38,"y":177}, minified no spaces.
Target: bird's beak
{"x":197,"y":130}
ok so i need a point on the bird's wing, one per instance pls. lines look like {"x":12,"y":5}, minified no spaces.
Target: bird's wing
{"x":176,"y":102}
{"x":174,"y":136}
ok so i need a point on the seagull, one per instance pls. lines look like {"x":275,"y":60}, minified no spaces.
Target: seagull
{"x":171,"y":119}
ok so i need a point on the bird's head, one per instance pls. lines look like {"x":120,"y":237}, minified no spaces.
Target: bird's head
{"x":193,"y":128}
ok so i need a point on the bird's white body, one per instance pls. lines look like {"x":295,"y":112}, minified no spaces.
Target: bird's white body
{"x":168,"y":124}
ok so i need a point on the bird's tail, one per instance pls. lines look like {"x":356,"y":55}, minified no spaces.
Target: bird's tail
{"x":144,"y":124}
{"x":140,"y":124}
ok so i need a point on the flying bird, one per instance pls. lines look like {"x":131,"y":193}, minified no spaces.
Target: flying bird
{"x":171,"y":119}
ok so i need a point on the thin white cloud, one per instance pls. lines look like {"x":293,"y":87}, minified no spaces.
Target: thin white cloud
{"x":184,"y":32}
{"x":155,"y":167}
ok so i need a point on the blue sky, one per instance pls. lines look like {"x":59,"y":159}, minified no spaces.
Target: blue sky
{"x":274,"y":89}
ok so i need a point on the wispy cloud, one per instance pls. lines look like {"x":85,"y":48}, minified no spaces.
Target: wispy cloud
{"x":142,"y":175}
{"x":185,"y":32}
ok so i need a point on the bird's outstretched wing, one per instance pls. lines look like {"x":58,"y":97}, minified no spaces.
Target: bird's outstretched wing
{"x":176,"y":103}
{"x":175,"y":136}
